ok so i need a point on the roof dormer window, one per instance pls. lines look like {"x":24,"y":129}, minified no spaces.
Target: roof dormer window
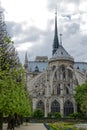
{"x":61,"y":53}
{"x":36,"y":69}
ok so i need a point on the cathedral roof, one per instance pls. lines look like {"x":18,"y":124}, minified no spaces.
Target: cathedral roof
{"x":37,"y":65}
{"x":61,"y":53}
{"x":58,"y":51}
{"x":81,"y":66}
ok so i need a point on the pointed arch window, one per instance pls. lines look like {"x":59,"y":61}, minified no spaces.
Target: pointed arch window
{"x":68,"y":108}
{"x":43,"y":92}
{"x":70,"y":75}
{"x":58,"y":89}
{"x":54,"y":67}
{"x":63,"y":71}
{"x":67,"y":90}
{"x":55,"y":106}
{"x":55,"y":75}
{"x":54,"y":90}
{"x":40,"y":105}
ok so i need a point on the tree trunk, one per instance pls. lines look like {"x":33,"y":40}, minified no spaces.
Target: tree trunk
{"x":1,"y":121}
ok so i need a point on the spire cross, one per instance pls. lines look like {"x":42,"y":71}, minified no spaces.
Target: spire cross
{"x":56,"y":11}
{"x":56,"y":21}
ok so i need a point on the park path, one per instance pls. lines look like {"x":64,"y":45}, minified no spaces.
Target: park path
{"x":30,"y":126}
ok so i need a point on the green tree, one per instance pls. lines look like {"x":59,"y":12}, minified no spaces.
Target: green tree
{"x":81,"y":97}
{"x":14,"y":98}
{"x":13,"y":95}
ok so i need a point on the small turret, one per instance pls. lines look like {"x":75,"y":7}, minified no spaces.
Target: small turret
{"x":26,"y":61}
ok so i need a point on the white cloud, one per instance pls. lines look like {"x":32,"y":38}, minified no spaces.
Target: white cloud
{"x":32,"y":11}
{"x":31,"y":25}
{"x":83,"y":6}
{"x":23,"y":46}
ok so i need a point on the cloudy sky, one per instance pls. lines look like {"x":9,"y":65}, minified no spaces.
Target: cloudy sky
{"x":30,"y":23}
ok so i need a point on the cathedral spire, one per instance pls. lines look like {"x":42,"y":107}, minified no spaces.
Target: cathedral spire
{"x":56,"y":40}
{"x":26,"y":61}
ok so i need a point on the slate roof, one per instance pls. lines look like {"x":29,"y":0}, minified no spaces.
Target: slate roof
{"x":41,"y":65}
{"x":81,"y":66}
{"x":61,"y":53}
{"x":32,"y":66}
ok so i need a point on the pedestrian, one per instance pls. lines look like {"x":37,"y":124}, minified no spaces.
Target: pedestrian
{"x":12,"y":122}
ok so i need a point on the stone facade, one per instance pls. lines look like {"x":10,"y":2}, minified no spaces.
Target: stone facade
{"x":51,"y":82}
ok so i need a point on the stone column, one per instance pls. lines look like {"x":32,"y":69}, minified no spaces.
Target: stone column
{"x":75,"y":106}
{"x":34,"y":104}
{"x":66,"y":74}
{"x":47,"y":89}
{"x":61,"y":77}
{"x":62,"y":107}
{"x":49,"y":106}
{"x":61,"y":88}
{"x":45,"y":108}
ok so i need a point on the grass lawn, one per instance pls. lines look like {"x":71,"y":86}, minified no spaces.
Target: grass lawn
{"x":64,"y":126}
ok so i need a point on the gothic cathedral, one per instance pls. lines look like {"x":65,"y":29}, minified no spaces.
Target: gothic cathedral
{"x":51,"y":82}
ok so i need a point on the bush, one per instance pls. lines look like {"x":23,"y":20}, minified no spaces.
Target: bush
{"x":57,"y":115}
{"x":75,"y":115}
{"x":49,"y":115}
{"x":38,"y":113}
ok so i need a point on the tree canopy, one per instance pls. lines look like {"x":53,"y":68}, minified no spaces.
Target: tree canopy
{"x":81,"y":96}
{"x":13,"y":95}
